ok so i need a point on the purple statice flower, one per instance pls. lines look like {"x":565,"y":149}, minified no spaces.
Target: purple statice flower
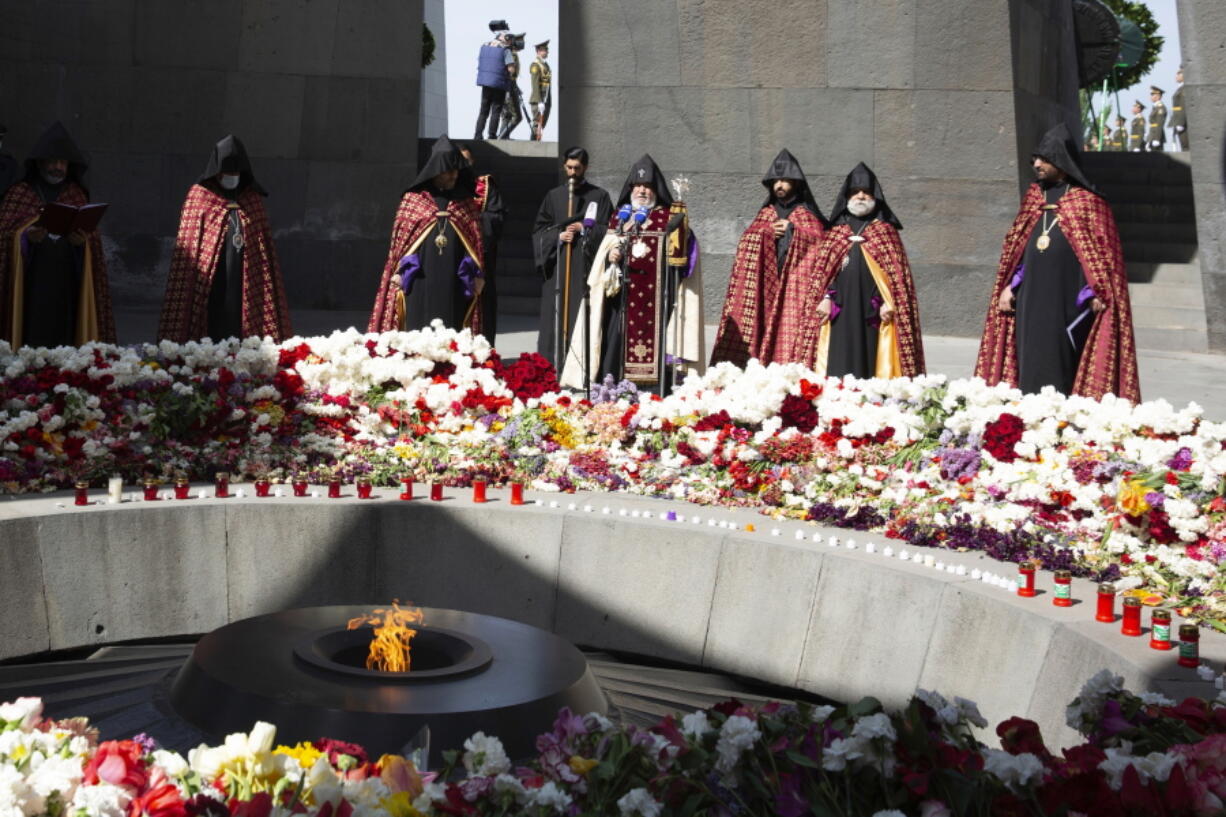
{"x":1181,"y":461}
{"x":487,"y":420}
{"x":609,"y":391}
{"x":959,"y":462}
{"x":146,"y":742}
{"x":1156,"y":499}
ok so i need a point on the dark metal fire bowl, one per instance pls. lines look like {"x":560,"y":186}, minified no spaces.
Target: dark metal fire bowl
{"x":304,"y":672}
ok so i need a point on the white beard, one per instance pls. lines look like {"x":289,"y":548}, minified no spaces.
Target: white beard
{"x":644,"y":201}
{"x":861,"y":208}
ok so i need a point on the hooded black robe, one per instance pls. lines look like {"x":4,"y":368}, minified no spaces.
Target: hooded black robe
{"x":1048,"y":352}
{"x":225,"y":310}
{"x":787,"y":166}
{"x":853,"y":332}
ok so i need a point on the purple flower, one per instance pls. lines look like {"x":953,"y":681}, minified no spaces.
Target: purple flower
{"x":1181,"y":461}
{"x":147,"y":743}
{"x":1156,"y":499}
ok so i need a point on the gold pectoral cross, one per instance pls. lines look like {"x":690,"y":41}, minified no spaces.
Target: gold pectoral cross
{"x":440,"y":240}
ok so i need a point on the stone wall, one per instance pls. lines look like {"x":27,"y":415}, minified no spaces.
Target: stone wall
{"x":924,"y":91}
{"x":1202,"y":29}
{"x":324,"y":94}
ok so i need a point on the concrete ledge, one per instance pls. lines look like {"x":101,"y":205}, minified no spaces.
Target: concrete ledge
{"x":841,"y":623}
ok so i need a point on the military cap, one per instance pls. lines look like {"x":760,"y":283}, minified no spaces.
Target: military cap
{"x":542,"y":45}
{"x":1154,"y":89}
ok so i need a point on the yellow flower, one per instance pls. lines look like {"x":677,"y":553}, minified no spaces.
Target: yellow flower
{"x":582,"y":765}
{"x":402,"y":450}
{"x":400,"y":804}
{"x":1132,"y":497}
{"x":304,"y":753}
{"x":497,"y":425}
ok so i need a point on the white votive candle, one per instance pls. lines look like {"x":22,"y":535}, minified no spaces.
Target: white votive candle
{"x":114,"y":489}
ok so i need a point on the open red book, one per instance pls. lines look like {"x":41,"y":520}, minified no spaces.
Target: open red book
{"x":62,"y":219}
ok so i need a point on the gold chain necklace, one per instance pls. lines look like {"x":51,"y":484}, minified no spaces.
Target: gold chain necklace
{"x":1044,"y":239}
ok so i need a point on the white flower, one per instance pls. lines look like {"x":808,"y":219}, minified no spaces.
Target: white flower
{"x":1155,"y":766}
{"x":1158,"y":699}
{"x":841,"y":750}
{"x":22,"y":713}
{"x":484,"y":755}
{"x":891,"y":812}
{"x":821,"y":713}
{"x":970,"y":711}
{"x":101,"y":800}
{"x":736,"y":735}
{"x":934,"y":808}
{"x":550,"y":796}
{"x":1015,"y":771}
{"x":1093,"y":694}
{"x":639,"y":801}
{"x":874,"y":726}
{"x":695,"y":724}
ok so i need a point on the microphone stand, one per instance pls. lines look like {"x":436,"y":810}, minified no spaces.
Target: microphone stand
{"x":587,"y":323}
{"x":624,"y":270}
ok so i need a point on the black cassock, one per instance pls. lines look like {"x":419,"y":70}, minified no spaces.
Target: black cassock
{"x":1046,"y":303}
{"x":439,"y":292}
{"x":549,"y":221}
{"x":52,"y":284}
{"x":492,"y":218}
{"x":853,"y":334}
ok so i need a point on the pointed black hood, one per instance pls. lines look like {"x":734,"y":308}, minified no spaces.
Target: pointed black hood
{"x":229,"y":156}
{"x":56,"y":143}
{"x":786,"y":166}
{"x":1057,"y":146}
{"x":645,"y":171}
{"x":862,"y":177}
{"x":444,"y":156}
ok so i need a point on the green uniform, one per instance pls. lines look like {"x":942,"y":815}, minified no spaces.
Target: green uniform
{"x":1136,"y":136}
{"x":541,"y":80}
{"x":1155,"y":136}
{"x":1179,"y":119}
{"x":1118,"y":140}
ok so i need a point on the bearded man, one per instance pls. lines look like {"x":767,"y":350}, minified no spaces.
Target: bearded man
{"x":788,"y":226}
{"x":1059,"y":314}
{"x":858,"y":314}
{"x":224,"y":277}
{"x":53,"y":289}
{"x":434,"y":263}
{"x":645,"y":292}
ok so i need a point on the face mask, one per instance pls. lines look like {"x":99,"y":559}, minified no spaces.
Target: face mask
{"x":229,"y":182}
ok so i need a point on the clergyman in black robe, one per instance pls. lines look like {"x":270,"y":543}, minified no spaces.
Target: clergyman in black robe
{"x":555,"y":236}
{"x":493,"y":216}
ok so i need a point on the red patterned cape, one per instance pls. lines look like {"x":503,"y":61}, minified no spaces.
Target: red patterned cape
{"x":20,"y":206}
{"x":753,"y":305}
{"x":883,"y":243}
{"x":197,"y":255}
{"x":414,"y":220}
{"x":1109,"y":360}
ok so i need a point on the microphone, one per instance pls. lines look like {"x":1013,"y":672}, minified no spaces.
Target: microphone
{"x":640,"y":218}
{"x":623,"y":215}
{"x":589,"y":217}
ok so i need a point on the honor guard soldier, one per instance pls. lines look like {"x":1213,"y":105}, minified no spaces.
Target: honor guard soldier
{"x":1179,"y":119}
{"x":1118,"y":141}
{"x":1155,"y":137}
{"x":1136,"y":133}
{"x":541,"y":99}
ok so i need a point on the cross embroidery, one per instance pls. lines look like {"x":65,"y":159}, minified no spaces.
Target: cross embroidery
{"x":642,"y":172}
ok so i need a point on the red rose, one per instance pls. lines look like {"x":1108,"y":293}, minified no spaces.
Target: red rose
{"x":162,"y":801}
{"x":118,"y":762}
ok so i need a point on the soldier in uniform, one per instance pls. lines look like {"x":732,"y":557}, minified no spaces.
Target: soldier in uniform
{"x":1179,"y":119}
{"x":1136,"y":134}
{"x":1118,"y":141}
{"x":541,"y":99}
{"x":1155,"y":137}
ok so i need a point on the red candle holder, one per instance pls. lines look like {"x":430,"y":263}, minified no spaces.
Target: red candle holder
{"x":436,"y":491}
{"x":1189,"y":645}
{"x":1063,"y":596}
{"x":151,"y":490}
{"x":1160,"y":630}
{"x":262,"y":487}
{"x":300,"y":486}
{"x":1106,"y":603}
{"x":334,"y":489}
{"x":1025,"y":579}
{"x":364,"y":488}
{"x":183,"y":489}
{"x":221,"y":485}
{"x":478,"y":490}
{"x":81,"y":490}
{"x":406,"y":488}
{"x":517,"y":493}
{"x":1132,"y":617}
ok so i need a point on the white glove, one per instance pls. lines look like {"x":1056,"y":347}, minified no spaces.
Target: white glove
{"x":1180,"y":129}
{"x":1154,"y":143}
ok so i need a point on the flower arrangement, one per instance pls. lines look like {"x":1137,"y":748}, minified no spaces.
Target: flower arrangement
{"x":1105,"y":489}
{"x":1142,"y":754}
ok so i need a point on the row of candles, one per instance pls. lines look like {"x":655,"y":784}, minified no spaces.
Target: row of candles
{"x":263,"y":487}
{"x":1023,"y":585}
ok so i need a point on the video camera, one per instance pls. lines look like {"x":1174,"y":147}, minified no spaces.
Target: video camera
{"x":516,"y":41}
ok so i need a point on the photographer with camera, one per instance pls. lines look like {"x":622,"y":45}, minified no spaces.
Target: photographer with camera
{"x":513,"y":112}
{"x":494,"y":65}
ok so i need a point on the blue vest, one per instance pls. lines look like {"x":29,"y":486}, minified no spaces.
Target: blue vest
{"x":492,"y":68}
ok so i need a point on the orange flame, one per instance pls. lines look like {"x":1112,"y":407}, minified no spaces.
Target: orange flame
{"x":389,"y":648}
